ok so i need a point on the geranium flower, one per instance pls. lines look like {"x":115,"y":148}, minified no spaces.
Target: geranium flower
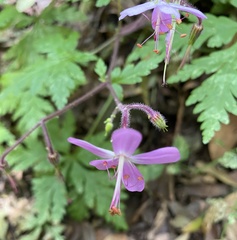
{"x":125,"y":141}
{"x":162,"y":20}
{"x":162,"y":6}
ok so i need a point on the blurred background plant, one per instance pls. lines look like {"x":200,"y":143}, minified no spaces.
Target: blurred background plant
{"x":53,"y":52}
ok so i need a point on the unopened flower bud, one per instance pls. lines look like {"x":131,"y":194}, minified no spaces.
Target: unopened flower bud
{"x":53,"y":158}
{"x":158,"y":120}
{"x":195,"y":33}
{"x":108,"y":126}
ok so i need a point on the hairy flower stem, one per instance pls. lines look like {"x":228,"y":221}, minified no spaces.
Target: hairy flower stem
{"x":125,"y":120}
{"x":50,"y":116}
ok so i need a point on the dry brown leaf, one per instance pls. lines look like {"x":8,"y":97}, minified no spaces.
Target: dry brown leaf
{"x":224,"y":139}
{"x":231,"y":231}
{"x":14,"y":208}
{"x":219,"y":210}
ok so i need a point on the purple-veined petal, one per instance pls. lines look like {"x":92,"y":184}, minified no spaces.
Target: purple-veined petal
{"x":132,"y":178}
{"x":167,"y":9}
{"x":164,"y":21}
{"x":125,"y":141}
{"x":104,"y":164}
{"x":158,"y":156}
{"x":191,"y":10}
{"x":101,"y":152}
{"x":132,"y":11}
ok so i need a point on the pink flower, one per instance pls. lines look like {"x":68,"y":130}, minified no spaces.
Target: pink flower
{"x":162,"y":6}
{"x":125,"y":141}
{"x":162,"y":20}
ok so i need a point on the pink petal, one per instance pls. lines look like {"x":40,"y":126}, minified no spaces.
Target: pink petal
{"x":165,"y":19}
{"x":137,"y":9}
{"x":132,"y":178}
{"x":101,"y":152}
{"x":191,"y":10}
{"x":159,"y":156}
{"x":104,"y":164}
{"x":167,"y":9}
{"x":125,"y":141}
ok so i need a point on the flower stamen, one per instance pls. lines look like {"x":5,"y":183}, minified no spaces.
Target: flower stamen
{"x":115,"y":211}
{"x":141,"y":44}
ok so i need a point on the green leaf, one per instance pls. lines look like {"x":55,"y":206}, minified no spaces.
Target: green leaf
{"x":234,"y":3}
{"x":100,"y":69}
{"x":63,"y":14}
{"x":181,"y":143}
{"x":54,"y":232}
{"x":229,"y":160}
{"x":220,"y":30}
{"x":118,"y":90}
{"x":101,"y":3}
{"x":78,"y":209}
{"x":216,"y":96}
{"x":213,"y":99}
{"x":50,"y":198}
{"x":222,"y":61}
{"x":174,"y":168}
{"x":6,"y":135}
{"x":33,"y":155}
{"x":133,"y":72}
{"x":151,"y":172}
{"x":33,"y":235}
{"x":10,"y":17}
{"x":60,"y":75}
{"x":22,"y":5}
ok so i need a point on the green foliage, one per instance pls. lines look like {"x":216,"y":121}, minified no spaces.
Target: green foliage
{"x":11,"y":18}
{"x":44,"y":63}
{"x":101,"y":3}
{"x":215,"y":97}
{"x":181,"y":143}
{"x":6,"y":135}
{"x":139,"y":64}
{"x":50,"y":190}
{"x":218,"y":31}
{"x":100,"y":69}
{"x":229,"y":160}
{"x":233,"y":2}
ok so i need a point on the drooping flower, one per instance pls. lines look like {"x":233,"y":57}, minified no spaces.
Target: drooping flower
{"x":162,"y":20}
{"x":166,"y":7}
{"x":125,"y":141}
